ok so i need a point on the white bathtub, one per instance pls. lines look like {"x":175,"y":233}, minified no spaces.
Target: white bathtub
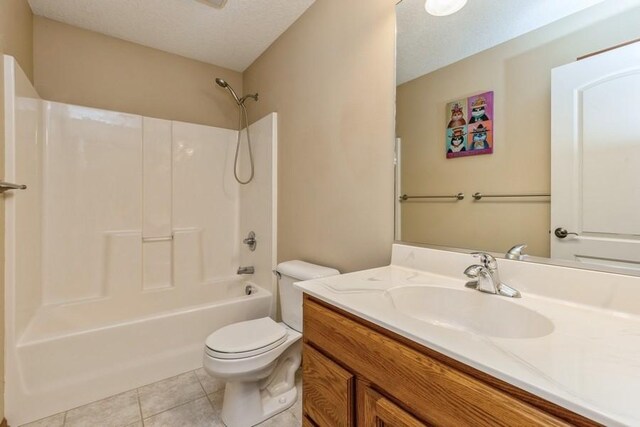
{"x":90,"y":362}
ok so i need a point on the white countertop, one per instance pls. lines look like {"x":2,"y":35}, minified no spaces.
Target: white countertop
{"x":589,"y":363}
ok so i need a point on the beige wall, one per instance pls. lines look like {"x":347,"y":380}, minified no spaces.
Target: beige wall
{"x":519,"y":72}
{"x":82,"y":67}
{"x":16,"y":32}
{"x":16,"y":29}
{"x":330,"y":77}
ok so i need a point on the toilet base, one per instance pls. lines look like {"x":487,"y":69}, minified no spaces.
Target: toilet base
{"x":249,"y":403}
{"x":243,"y":407}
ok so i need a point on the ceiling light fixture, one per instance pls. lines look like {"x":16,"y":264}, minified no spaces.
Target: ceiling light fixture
{"x":444,"y":7}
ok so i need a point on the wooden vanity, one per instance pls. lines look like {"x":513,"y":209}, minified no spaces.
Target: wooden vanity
{"x":356,"y":373}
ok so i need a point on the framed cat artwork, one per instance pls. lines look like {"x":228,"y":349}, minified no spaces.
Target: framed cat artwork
{"x":470,"y":126}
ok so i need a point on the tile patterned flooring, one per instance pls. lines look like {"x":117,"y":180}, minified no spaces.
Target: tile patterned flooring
{"x":192,"y":399}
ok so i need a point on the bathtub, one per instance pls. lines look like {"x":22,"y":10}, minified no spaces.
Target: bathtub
{"x":114,"y":280}
{"x":90,"y":361}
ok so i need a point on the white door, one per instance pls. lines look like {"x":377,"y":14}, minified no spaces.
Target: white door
{"x":595,"y":159}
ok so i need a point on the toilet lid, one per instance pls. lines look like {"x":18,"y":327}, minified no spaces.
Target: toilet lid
{"x":244,"y":339}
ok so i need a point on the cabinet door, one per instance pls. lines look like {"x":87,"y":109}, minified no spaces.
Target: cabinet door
{"x":378,"y":411}
{"x":328,"y":390}
{"x":306,"y":422}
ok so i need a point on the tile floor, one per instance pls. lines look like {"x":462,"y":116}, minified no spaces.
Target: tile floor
{"x":192,"y":399}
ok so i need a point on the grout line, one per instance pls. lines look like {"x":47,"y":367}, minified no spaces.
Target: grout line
{"x":64,"y":419}
{"x":139,"y":406}
{"x":181,"y":404}
{"x":171,"y":409}
{"x":90,"y":403}
{"x":205,"y":391}
{"x":200,"y":382}
{"x":209,"y":397}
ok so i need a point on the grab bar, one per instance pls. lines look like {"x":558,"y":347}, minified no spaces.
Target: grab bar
{"x":6,"y":186}
{"x":480,"y":196}
{"x":459,"y":196}
{"x":157,"y":239}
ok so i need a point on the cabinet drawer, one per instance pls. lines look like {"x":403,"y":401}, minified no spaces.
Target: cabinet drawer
{"x":328,"y":390}
{"x":433,"y":391}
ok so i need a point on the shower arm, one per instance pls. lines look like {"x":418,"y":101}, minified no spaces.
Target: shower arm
{"x":244,"y":98}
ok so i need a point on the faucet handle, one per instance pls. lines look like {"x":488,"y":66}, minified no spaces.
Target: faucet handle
{"x":251,"y":241}
{"x":487,"y":260}
{"x":473,"y":271}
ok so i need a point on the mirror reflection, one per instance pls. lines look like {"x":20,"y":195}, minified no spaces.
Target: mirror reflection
{"x":518,"y":123}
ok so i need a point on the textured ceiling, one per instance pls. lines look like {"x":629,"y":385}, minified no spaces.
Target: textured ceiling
{"x":232,"y":37}
{"x":426,"y":43}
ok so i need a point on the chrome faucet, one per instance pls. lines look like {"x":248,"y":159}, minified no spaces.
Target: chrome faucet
{"x":245,"y":270}
{"x":486,"y":277}
{"x":516,"y":252}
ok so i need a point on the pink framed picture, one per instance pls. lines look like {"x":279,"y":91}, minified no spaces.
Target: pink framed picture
{"x":470,"y":126}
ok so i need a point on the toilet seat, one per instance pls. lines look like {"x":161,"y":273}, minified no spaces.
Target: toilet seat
{"x":245,"y":339}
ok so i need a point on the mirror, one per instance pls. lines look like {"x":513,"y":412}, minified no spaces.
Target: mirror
{"x":519,"y":123}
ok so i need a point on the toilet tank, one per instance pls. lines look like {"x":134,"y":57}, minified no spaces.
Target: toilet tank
{"x":290,"y":297}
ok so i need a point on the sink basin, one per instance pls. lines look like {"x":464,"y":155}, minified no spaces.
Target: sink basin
{"x":470,"y":311}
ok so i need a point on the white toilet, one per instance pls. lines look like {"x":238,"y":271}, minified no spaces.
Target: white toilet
{"x":259,"y":358}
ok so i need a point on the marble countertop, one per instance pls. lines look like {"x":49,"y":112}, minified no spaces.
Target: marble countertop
{"x":589,"y":363}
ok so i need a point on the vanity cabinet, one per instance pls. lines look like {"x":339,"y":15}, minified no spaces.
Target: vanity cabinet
{"x":357,"y":373}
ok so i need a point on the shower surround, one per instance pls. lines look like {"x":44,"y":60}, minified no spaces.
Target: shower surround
{"x":121,"y":255}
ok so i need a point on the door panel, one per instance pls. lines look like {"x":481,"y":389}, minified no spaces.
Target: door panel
{"x":611,"y":148}
{"x":328,"y":390}
{"x":595,"y":190}
{"x":378,"y":411}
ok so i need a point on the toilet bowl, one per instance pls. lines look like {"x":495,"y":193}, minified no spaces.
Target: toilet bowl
{"x":258,"y":358}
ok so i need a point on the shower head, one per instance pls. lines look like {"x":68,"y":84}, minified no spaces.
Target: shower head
{"x":225,"y":85}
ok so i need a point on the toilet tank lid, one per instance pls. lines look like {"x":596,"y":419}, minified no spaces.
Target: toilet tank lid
{"x":304,"y":270}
